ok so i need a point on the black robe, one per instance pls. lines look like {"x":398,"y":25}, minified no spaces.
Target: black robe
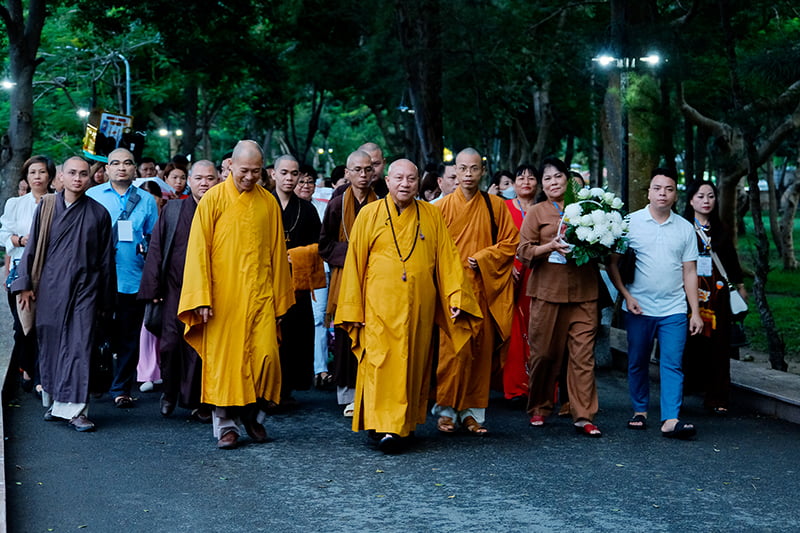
{"x":301,"y":227}
{"x":78,"y":281}
{"x":334,"y":251}
{"x":180,"y":364}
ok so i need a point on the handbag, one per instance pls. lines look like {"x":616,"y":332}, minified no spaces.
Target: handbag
{"x":27,"y":316}
{"x":738,"y":305}
{"x":153,"y":317}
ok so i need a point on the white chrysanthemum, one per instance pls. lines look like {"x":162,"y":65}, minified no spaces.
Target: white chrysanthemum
{"x":572,"y":213}
{"x":597,"y":192}
{"x":616,"y":229}
{"x":615,"y":216}
{"x":599,"y":217}
{"x":608,"y":198}
{"x":617,"y":203}
{"x":586,"y":220}
{"x":607,"y":239}
{"x":583,"y":233}
{"x":584,"y":194}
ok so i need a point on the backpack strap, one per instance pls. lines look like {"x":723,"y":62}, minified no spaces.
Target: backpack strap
{"x":491,"y":215}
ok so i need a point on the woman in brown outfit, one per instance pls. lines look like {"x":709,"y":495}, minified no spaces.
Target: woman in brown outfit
{"x":564,"y":315}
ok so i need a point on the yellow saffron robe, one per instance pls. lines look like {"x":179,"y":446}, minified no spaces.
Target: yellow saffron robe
{"x":394,"y":346}
{"x":236,"y":263}
{"x":463,"y":375}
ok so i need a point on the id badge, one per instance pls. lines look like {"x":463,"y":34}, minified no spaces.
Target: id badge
{"x":704,"y":267}
{"x":124,"y":231}
{"x":557,"y":258}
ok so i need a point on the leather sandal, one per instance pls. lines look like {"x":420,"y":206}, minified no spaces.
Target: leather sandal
{"x":471,"y":425}
{"x":445,"y":424}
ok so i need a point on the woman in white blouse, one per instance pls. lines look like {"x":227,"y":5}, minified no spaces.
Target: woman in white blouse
{"x":15,"y":225}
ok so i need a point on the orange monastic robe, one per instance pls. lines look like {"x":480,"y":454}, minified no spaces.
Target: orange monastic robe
{"x":463,"y":374}
{"x":394,"y":346}
{"x":236,"y":263}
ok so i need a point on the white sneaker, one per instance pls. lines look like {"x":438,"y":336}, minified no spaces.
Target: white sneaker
{"x":147,"y":386}
{"x":349,"y":409}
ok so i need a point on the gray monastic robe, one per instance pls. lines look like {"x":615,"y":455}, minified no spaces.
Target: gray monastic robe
{"x":180,"y":365}
{"x":78,"y":281}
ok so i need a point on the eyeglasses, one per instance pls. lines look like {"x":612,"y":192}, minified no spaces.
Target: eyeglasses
{"x":127,"y":163}
{"x":359,"y":170}
{"x":305,"y":183}
{"x":474,"y":168}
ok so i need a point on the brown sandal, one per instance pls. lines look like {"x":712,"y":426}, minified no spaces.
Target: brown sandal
{"x":445,"y":424}
{"x":471,"y":425}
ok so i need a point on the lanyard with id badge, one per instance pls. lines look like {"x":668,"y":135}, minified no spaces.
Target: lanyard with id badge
{"x":705,"y":266}
{"x":124,"y":231}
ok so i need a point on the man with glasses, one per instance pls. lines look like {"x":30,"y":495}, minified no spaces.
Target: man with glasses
{"x":133,"y":216}
{"x":333,"y":241}
{"x":306,"y":189}
{"x":487,"y":240}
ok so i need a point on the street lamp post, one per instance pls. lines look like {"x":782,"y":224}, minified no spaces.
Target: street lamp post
{"x":625,"y":65}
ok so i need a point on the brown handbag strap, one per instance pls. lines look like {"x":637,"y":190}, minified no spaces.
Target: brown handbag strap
{"x":46,"y":210}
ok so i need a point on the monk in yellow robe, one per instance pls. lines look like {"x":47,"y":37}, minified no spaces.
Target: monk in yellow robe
{"x":487,"y":239}
{"x":236,"y":284}
{"x":402,"y":273}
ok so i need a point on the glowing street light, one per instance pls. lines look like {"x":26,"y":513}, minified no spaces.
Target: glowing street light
{"x":83,"y":113}
{"x":7,"y":84}
{"x":163,"y":132}
{"x":625,"y":64}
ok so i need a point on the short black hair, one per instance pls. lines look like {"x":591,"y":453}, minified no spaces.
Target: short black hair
{"x":146,"y":160}
{"x":309,"y":170}
{"x":663,"y":171}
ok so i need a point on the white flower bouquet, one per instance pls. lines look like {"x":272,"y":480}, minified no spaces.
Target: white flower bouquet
{"x":593,"y":224}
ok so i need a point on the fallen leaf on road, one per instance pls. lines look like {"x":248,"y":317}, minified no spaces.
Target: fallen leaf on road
{"x":379,"y":471}
{"x":451,"y":497}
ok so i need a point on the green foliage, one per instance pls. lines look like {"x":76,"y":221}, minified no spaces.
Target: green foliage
{"x":783,"y":291}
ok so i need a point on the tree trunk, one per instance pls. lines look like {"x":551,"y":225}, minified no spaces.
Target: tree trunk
{"x":24,"y":36}
{"x":544,"y":120}
{"x":777,"y":347}
{"x":191,"y":97}
{"x":773,"y":207}
{"x":789,"y":203}
{"x":688,"y":143}
{"x":420,"y":32}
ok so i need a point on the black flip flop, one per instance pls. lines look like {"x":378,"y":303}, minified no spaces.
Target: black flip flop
{"x":682,"y":431}
{"x":638,"y":422}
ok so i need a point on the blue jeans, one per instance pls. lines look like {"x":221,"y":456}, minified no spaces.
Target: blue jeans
{"x":671,"y":332}
{"x":320,"y":331}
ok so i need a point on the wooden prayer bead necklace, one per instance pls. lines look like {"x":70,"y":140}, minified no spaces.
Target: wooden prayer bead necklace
{"x":417,"y":234}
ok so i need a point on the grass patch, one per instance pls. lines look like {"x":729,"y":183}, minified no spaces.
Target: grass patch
{"x":783,"y":291}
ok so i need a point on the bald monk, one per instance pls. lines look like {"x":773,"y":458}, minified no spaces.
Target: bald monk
{"x":333,"y":241}
{"x":236,"y":285}
{"x":397,"y":277}
{"x":487,"y":239}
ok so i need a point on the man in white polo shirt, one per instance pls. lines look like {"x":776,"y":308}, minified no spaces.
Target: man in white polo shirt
{"x":655,"y":302}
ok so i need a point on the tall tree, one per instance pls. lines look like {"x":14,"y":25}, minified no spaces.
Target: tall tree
{"x":23,"y":24}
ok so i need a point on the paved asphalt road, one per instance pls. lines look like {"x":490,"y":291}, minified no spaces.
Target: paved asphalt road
{"x":141,"y":472}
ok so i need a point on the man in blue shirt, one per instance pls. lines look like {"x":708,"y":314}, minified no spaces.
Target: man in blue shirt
{"x":665,"y":281}
{"x":133,"y":215}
